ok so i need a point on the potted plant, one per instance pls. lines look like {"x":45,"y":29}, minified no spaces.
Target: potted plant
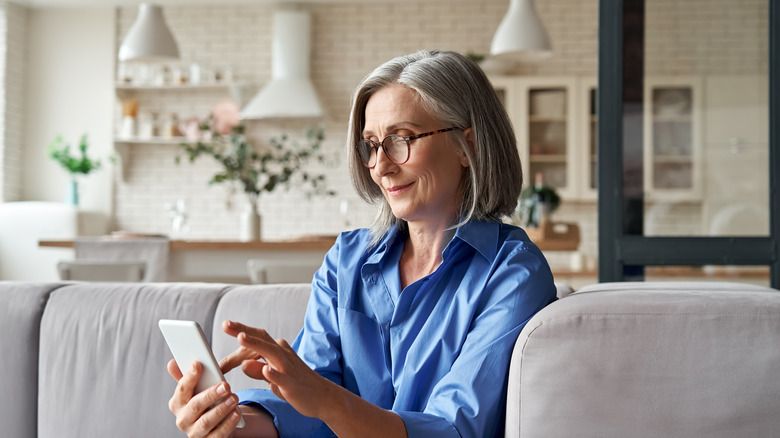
{"x":76,"y":165}
{"x":284,"y":164}
{"x":537,"y":203}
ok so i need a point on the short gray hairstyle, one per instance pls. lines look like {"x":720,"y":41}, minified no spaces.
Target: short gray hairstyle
{"x":455,"y":90}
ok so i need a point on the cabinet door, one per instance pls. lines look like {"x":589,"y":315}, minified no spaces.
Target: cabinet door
{"x":546,"y":132}
{"x":507,"y":89}
{"x":672,"y":138}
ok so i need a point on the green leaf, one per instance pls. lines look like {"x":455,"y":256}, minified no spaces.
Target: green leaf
{"x":59,"y":150}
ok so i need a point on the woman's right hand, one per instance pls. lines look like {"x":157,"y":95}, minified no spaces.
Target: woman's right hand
{"x":194,"y":413}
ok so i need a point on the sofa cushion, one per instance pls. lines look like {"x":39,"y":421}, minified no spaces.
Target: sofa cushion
{"x":279,"y":309}
{"x":103,"y":358}
{"x":650,"y":359}
{"x":21,"y":308}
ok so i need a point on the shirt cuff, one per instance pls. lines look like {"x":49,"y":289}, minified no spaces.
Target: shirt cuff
{"x":288,"y":421}
{"x":422,"y":425}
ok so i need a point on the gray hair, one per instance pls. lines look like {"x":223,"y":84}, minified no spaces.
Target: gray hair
{"x":456,"y":91}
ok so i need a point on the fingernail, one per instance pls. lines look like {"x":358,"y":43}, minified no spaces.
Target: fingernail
{"x":230,"y":402}
{"x":222,"y":389}
{"x":234,"y":416}
{"x":193,"y":368}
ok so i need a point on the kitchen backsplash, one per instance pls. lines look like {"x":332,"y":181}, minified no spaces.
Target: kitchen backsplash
{"x":348,"y":41}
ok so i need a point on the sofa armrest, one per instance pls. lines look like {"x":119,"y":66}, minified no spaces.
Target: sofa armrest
{"x":649,"y":359}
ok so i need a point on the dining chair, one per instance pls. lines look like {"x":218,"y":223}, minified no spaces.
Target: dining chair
{"x":273,"y":272}
{"x":100,"y":270}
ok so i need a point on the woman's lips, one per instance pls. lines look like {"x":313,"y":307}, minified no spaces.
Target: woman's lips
{"x":397,"y":190}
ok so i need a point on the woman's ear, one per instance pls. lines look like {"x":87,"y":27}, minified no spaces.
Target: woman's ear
{"x":469,"y":134}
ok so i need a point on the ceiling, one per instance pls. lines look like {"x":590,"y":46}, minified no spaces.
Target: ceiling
{"x":111,"y":3}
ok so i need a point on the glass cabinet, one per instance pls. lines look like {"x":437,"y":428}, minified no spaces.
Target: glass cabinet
{"x":588,"y":121}
{"x":672,"y":138}
{"x":555,"y":122}
{"x":543,"y":113}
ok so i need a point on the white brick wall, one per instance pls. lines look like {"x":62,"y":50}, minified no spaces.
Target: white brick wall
{"x":706,"y":37}
{"x":351,"y":39}
{"x":12,"y":108}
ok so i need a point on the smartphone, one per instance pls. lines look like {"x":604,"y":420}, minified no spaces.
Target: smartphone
{"x":188,"y":344}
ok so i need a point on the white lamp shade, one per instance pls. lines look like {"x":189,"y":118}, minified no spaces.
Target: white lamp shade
{"x":149,"y":39}
{"x":521,"y":34}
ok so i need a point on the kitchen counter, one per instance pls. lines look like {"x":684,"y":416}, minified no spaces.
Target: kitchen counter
{"x":225,"y":261}
{"x":322,"y":243}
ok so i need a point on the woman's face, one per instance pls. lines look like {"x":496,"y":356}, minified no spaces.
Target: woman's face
{"x":427,"y":187}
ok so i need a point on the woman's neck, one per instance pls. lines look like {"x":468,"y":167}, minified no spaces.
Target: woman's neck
{"x":422,"y":252}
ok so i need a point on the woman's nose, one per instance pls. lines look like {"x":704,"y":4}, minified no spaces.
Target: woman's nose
{"x":383,"y":164}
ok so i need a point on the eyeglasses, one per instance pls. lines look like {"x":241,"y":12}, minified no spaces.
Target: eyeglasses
{"x":396,"y":147}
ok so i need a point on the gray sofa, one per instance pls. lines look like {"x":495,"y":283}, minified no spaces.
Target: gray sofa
{"x":611,"y":360}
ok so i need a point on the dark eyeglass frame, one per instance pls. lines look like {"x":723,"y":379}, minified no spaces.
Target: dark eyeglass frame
{"x":376,"y":145}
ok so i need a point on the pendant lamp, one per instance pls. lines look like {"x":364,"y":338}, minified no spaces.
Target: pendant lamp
{"x":149,"y":39}
{"x":521,"y":34}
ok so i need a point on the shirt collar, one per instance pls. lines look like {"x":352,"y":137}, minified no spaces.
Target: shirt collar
{"x":480,"y":235}
{"x":378,"y":253}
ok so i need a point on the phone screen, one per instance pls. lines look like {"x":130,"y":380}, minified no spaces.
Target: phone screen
{"x":188,"y":344}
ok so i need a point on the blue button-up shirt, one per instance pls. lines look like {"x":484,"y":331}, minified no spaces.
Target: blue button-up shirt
{"x":437,"y":352}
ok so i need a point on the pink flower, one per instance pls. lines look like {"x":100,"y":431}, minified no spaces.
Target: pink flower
{"x":190,"y":129}
{"x":224,"y":117}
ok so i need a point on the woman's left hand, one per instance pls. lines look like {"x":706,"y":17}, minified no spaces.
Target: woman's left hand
{"x":287,"y":375}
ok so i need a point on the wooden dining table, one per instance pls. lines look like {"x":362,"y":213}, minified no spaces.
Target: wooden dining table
{"x":225,"y":261}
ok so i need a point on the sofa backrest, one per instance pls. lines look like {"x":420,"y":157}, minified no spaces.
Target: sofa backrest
{"x":279,"y":309}
{"x":102,"y":362}
{"x":649,"y":360}
{"x":21,"y":309}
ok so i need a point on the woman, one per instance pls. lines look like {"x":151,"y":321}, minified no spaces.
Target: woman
{"x":410,"y":325}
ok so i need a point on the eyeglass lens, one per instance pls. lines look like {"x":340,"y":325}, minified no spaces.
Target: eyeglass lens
{"x":394,"y":146}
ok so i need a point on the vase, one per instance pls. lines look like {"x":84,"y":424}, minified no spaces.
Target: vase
{"x":73,"y":192}
{"x":249,"y":227}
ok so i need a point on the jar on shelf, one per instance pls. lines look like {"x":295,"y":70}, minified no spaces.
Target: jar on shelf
{"x":170,"y":126}
{"x":124,"y":73}
{"x":161,"y":75}
{"x":195,"y":73}
{"x":181,"y":75}
{"x":148,"y":125}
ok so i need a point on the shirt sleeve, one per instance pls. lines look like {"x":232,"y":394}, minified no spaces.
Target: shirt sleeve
{"x":470,"y":400}
{"x":318,"y":346}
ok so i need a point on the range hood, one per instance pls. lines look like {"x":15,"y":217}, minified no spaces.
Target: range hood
{"x":290,"y":93}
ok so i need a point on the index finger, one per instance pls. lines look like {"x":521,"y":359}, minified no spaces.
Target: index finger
{"x":233,"y":328}
{"x":265,"y":346}
{"x":235,"y":358}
